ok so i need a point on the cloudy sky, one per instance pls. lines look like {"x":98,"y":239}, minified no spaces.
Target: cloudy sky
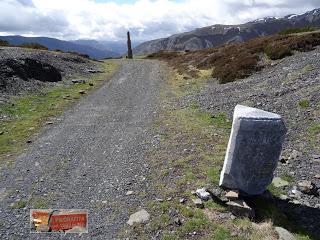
{"x":146,"y":19}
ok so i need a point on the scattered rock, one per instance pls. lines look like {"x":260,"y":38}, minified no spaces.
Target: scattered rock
{"x":216,"y":192}
{"x":91,"y":84}
{"x":284,"y":197}
{"x":75,"y":81}
{"x":29,"y":141}
{"x":284,"y":234}
{"x":284,"y":160}
{"x":307,"y":187}
{"x":182,"y":200}
{"x":49,"y":123}
{"x":232,"y":195}
{"x":198,"y":202}
{"x":141,"y":216}
{"x":295,"y":154}
{"x":129,"y":193}
{"x":82,"y":91}
{"x":295,"y":201}
{"x":177,"y":221}
{"x":159,"y":200}
{"x":203,"y":194}
{"x":295,"y":194}
{"x":240,"y":208}
{"x":279,"y":183}
{"x":1,"y":132}
{"x":317,"y":176}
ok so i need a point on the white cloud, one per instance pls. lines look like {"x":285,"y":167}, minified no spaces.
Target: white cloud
{"x":147,"y":19}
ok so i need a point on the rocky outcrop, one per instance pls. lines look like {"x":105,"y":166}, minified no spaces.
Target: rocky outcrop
{"x":29,"y":69}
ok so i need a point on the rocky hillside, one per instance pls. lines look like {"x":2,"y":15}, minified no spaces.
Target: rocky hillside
{"x":27,"y":70}
{"x":216,"y":35}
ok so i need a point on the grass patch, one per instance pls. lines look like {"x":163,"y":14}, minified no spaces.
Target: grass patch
{"x":27,"y":114}
{"x":19,"y":204}
{"x":297,"y":30}
{"x":304,"y":103}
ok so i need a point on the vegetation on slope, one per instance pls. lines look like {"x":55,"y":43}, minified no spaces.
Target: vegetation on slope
{"x":297,"y":30}
{"x":236,"y":61}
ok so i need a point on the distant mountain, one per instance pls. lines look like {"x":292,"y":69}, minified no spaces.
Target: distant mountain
{"x":66,"y":46}
{"x":216,"y":35}
{"x":119,"y":47}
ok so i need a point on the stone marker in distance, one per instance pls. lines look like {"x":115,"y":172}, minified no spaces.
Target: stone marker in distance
{"x":253,"y":150}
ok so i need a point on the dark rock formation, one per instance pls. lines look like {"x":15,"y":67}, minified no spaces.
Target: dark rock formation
{"x":30,"y":69}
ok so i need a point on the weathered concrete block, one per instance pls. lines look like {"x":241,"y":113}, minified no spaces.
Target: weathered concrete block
{"x":253,"y":151}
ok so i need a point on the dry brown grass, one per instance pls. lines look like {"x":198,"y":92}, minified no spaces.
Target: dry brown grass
{"x":236,"y":61}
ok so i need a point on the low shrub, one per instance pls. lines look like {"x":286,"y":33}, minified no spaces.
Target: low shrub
{"x":4,"y":43}
{"x":80,"y":54}
{"x":33,"y":46}
{"x":163,"y":55}
{"x":277,"y":51}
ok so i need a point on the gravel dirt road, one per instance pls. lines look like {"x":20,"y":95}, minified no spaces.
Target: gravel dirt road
{"x":89,"y":159}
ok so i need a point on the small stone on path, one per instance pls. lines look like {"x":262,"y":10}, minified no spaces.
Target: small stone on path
{"x":141,"y":216}
{"x":129,"y":193}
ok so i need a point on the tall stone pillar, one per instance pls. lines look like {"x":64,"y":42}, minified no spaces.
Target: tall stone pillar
{"x":130,"y":55}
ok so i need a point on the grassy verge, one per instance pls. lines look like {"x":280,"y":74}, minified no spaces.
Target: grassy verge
{"x":27,"y":114}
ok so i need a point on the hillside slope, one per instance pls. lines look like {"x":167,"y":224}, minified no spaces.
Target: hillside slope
{"x":216,"y":35}
{"x":53,"y":44}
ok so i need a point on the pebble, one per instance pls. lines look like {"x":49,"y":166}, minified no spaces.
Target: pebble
{"x":203,"y":194}
{"x":198,"y":203}
{"x":129,"y":193}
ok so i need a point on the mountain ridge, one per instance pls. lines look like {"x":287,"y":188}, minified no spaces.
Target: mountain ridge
{"x":66,"y":46}
{"x":219,"y":34}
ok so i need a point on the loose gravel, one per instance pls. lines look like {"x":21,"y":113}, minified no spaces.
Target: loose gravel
{"x":90,"y":159}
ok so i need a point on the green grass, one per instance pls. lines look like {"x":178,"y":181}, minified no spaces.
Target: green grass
{"x":19,"y":204}
{"x":304,"y":103}
{"x":30,"y":112}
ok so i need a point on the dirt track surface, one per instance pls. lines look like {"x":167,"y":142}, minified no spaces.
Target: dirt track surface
{"x":89,"y":159}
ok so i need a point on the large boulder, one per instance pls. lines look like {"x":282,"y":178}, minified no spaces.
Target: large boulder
{"x":253,"y":150}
